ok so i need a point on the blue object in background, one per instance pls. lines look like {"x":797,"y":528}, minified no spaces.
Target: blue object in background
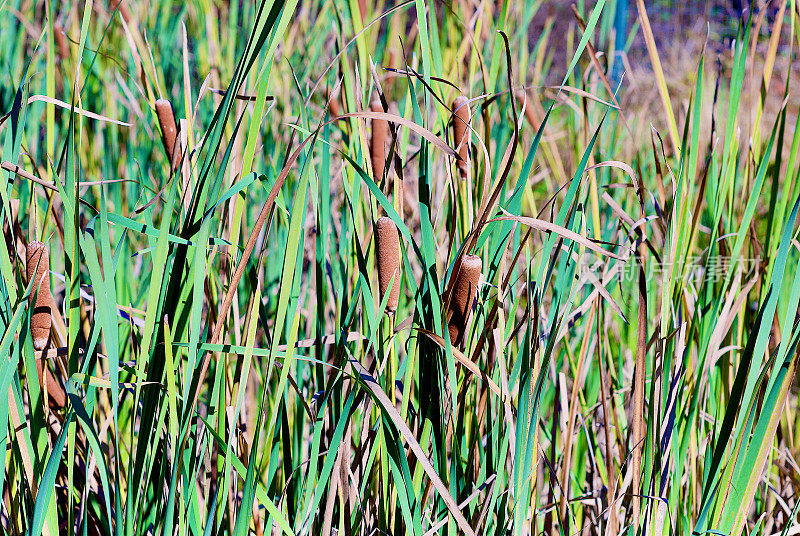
{"x":621,"y":33}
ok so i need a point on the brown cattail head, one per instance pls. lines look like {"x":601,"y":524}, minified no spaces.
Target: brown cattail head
{"x":466,"y":276}
{"x":333,"y":103}
{"x":381,"y":141}
{"x":169,"y":132}
{"x":124,"y":10}
{"x":38,"y":269}
{"x":61,"y":41}
{"x":461,"y":133}
{"x":56,"y":397}
{"x":530,"y":113}
{"x":387,"y":246}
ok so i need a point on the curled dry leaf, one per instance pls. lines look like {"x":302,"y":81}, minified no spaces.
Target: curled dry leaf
{"x":75,"y":109}
{"x":543,"y":225}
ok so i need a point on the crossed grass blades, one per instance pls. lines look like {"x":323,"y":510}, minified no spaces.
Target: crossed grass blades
{"x":372,"y":268}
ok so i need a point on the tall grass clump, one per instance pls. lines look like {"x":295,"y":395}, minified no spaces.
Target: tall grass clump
{"x":397,"y":268}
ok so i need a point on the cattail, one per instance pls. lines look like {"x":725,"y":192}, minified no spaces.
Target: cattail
{"x":41,"y":299}
{"x":124,"y":10}
{"x":380,"y":142}
{"x":387,"y":246}
{"x":530,"y":114}
{"x":57,"y":398}
{"x":461,"y":134}
{"x":389,"y":79}
{"x":61,"y":41}
{"x":37,"y":268}
{"x":466,"y":274}
{"x":169,"y":131}
{"x":333,"y":104}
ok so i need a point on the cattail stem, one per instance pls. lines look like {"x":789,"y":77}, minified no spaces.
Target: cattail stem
{"x":387,"y":246}
{"x":461,"y":133}
{"x":169,"y":132}
{"x":40,"y":298}
{"x":466,"y":276}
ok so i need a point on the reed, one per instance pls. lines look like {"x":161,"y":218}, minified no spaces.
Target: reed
{"x":169,"y":132}
{"x":254,"y":300}
{"x":466,"y":274}
{"x":387,"y":247}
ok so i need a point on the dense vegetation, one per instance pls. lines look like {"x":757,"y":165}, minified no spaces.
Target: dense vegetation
{"x":596,"y":324}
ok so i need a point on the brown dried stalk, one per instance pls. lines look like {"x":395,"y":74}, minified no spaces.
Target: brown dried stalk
{"x":461,"y":137}
{"x":467,"y":274}
{"x":169,"y":132}
{"x":387,"y":247}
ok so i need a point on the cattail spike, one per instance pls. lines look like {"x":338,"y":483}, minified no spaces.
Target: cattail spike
{"x":461,"y":133}
{"x":124,"y":10}
{"x":387,"y":246}
{"x":62,"y":43}
{"x":530,"y":113}
{"x":169,"y":132}
{"x":380,"y":142}
{"x":57,"y":398}
{"x":333,"y":103}
{"x":38,"y":269}
{"x":466,"y":274}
